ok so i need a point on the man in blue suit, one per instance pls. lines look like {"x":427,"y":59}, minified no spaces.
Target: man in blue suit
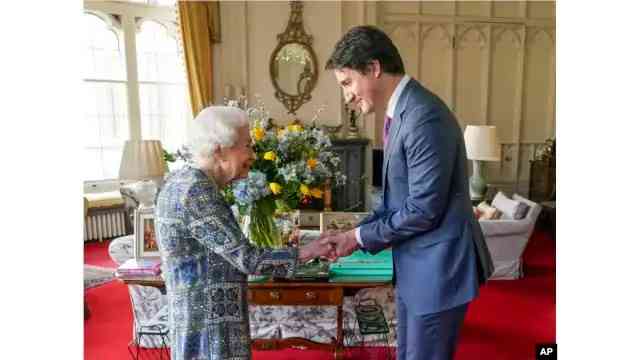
{"x":426,"y":217}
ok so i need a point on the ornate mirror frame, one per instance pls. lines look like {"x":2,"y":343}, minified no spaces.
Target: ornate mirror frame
{"x":294,"y":34}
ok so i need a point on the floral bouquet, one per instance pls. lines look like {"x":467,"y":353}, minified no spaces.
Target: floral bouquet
{"x":293,"y":166}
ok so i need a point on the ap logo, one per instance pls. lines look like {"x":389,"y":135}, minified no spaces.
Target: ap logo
{"x":546,"y":352}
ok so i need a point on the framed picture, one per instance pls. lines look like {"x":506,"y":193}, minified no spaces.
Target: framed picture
{"x":146,"y":244}
{"x":341,"y":221}
{"x":307,"y":219}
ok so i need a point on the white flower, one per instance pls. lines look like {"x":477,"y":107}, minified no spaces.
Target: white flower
{"x":335,"y":161}
{"x":341,"y":179}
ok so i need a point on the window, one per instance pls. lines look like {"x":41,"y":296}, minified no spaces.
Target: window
{"x":106,"y":118}
{"x":135,"y":83}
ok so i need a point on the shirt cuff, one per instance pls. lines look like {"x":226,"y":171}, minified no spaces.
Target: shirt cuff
{"x":358,"y":239}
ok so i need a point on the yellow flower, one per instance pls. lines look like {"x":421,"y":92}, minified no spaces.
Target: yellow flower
{"x":270,"y":155}
{"x":294,"y":128}
{"x":312,"y":163}
{"x":304,"y":189}
{"x":258,"y":134}
{"x":280,"y":133}
{"x":316,"y":193}
{"x":275,"y":188}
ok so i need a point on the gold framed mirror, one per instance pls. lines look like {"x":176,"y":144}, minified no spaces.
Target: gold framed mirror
{"x":293,"y":65}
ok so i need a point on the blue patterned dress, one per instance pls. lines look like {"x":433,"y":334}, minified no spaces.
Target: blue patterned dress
{"x":205,"y":262}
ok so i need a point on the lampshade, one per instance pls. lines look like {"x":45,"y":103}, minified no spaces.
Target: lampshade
{"x":142,"y":160}
{"x":482,"y":143}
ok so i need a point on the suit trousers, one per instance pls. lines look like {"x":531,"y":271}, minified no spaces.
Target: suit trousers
{"x":428,"y":336}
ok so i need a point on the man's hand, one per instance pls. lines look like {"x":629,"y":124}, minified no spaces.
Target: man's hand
{"x":314,"y":249}
{"x":344,"y":243}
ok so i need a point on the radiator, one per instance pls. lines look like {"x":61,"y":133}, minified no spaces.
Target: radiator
{"x":105,"y":225}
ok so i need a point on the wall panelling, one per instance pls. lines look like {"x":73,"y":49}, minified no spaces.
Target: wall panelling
{"x":492,"y":62}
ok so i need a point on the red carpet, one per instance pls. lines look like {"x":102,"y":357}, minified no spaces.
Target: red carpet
{"x":97,"y":254}
{"x":108,"y":329}
{"x":511,"y":316}
{"x":504,"y":323}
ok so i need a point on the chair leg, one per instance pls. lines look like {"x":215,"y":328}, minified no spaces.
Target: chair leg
{"x":130,"y":352}
{"x":138,"y":347}
{"x":154,"y":353}
{"x":87,"y":312}
{"x":135,"y":343}
{"x":164,"y":350}
{"x":388,"y":352}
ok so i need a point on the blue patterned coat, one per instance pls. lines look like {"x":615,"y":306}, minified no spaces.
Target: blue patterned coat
{"x":205,"y":262}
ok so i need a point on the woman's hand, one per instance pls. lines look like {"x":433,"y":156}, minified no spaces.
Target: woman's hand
{"x":294,"y":238}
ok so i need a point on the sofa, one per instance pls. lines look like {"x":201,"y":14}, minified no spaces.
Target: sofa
{"x":507,"y":238}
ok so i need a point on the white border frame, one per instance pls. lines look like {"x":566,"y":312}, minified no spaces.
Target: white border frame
{"x":140,"y":215}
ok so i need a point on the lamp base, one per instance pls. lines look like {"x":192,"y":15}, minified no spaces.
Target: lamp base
{"x":477,"y":184}
{"x":145,"y":192}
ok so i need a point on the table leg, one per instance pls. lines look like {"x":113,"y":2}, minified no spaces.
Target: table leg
{"x":339,"y":332}
{"x":339,"y":352}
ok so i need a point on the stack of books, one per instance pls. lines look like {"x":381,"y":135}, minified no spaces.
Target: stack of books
{"x":361,"y":266}
{"x":144,"y":267}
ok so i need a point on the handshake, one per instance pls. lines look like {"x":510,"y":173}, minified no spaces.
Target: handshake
{"x":330,"y":245}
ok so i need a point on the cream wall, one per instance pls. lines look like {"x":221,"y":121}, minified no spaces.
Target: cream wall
{"x":492,"y":62}
{"x":249,"y":33}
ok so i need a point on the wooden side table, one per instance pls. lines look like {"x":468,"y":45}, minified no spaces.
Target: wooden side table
{"x":285,"y":293}
{"x":296,"y":293}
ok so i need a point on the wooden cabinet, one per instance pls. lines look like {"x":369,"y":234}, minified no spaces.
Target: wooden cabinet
{"x":295,"y":296}
{"x":542,"y":174}
{"x":352,"y":156}
{"x":542,"y":179}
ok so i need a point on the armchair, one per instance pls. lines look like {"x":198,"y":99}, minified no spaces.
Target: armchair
{"x":507,"y":240}
{"x":148,"y":302}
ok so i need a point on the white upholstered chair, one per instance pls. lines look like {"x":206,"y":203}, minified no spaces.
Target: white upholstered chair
{"x":507,"y":240}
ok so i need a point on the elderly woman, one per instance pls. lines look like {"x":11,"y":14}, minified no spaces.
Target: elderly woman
{"x":205,"y":256}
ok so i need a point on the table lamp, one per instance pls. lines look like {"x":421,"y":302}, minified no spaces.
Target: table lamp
{"x":143,"y":160}
{"x":482,"y":145}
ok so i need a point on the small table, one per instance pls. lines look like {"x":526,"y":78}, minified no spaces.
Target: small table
{"x":283,"y":292}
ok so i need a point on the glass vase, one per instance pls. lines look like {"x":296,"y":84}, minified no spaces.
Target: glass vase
{"x":268,"y":227}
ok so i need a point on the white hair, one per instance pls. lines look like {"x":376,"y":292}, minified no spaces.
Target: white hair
{"x":214,"y":127}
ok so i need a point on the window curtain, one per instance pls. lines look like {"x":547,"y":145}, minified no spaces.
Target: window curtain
{"x":200,"y":29}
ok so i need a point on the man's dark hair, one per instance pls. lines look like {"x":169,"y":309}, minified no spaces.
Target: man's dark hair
{"x":360,"y":46}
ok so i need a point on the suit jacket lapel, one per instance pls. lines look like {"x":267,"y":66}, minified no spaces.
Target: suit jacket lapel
{"x":395,"y":129}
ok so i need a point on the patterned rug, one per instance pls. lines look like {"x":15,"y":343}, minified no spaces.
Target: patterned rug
{"x":96,"y":275}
